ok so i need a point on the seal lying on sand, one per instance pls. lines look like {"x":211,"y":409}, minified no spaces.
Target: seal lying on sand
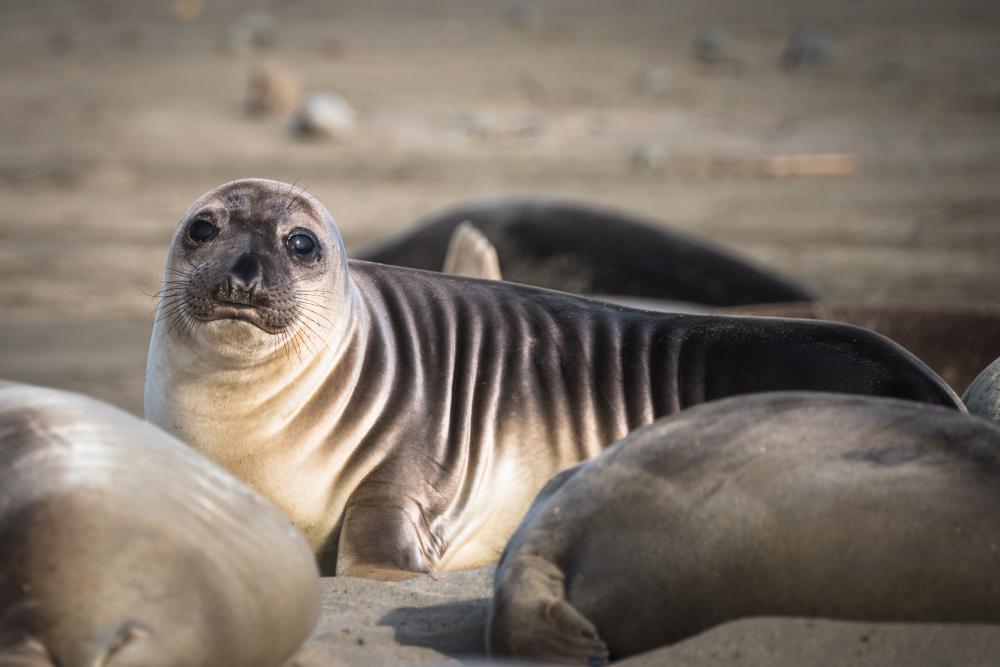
{"x":782,"y":504}
{"x":566,"y":246}
{"x":124,"y":547}
{"x":405,"y":419}
{"x":983,"y":396}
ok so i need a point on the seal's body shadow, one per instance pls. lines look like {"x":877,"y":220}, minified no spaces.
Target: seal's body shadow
{"x":457,"y":629}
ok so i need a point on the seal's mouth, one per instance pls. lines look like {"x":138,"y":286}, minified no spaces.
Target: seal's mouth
{"x":262,"y":317}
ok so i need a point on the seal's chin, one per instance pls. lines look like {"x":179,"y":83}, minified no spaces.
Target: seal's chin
{"x":236,"y":337}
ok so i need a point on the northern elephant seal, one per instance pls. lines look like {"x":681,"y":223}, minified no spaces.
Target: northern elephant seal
{"x":567,"y":246}
{"x":124,"y":547}
{"x":405,"y":419}
{"x":781,"y":504}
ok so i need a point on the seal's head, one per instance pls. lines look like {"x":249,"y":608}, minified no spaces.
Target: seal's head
{"x":254,"y":266}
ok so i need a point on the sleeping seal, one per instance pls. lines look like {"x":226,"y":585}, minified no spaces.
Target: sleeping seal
{"x":123,"y":547}
{"x":405,"y":419}
{"x":565,"y":246}
{"x":780,"y":504}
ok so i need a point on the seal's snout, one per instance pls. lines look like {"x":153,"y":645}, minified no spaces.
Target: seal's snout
{"x":242,"y":280}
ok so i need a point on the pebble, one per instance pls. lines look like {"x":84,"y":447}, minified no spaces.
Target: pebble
{"x":806,"y":48}
{"x":326,"y":116}
{"x":709,"y":47}
{"x":271,"y":90}
{"x":647,"y":157}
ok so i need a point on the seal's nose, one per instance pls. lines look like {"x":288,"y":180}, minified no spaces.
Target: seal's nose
{"x":243,"y":279}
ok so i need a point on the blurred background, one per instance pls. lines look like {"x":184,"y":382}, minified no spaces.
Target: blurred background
{"x":852,"y":145}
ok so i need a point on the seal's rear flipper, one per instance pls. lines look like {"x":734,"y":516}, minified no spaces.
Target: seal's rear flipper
{"x":531,"y":618}
{"x":471,"y":254}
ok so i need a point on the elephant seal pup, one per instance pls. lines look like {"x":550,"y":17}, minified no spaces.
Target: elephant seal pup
{"x":983,"y":396}
{"x":565,"y":246}
{"x":406,"y":419}
{"x":780,"y":504}
{"x":124,"y":547}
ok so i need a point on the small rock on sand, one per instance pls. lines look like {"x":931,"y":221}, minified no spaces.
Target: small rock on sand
{"x":271,"y":90}
{"x":325,"y":116}
{"x":806,"y":48}
{"x":709,"y":47}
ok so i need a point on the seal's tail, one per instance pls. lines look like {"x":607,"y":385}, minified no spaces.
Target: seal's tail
{"x":531,"y":618}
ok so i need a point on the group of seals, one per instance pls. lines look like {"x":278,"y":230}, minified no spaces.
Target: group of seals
{"x":404,"y":420}
{"x":587,"y":249}
{"x":123,"y":547}
{"x":779,"y":504}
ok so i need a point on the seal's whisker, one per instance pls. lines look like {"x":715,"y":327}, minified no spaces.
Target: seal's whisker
{"x":317,"y":313}
{"x":315,"y":334}
{"x":167,"y":291}
{"x":170,"y":307}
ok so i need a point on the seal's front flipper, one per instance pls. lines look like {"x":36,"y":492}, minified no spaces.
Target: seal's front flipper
{"x":531,"y":618}
{"x":471,"y":254}
{"x":382,"y":541}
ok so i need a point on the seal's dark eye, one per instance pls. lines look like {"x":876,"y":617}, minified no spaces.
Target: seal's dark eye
{"x":201,"y":231}
{"x":302,"y":244}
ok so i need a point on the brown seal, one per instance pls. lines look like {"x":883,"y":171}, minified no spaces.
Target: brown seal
{"x":405,"y":419}
{"x":124,"y":547}
{"x":781,"y":504}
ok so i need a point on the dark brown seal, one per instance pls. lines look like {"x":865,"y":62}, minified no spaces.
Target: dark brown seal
{"x":123,"y":547}
{"x":405,"y":419}
{"x":587,"y":249}
{"x":957,"y":341}
{"x":783,"y":504}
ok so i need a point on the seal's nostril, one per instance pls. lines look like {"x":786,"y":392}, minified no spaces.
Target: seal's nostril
{"x":246,"y":271}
